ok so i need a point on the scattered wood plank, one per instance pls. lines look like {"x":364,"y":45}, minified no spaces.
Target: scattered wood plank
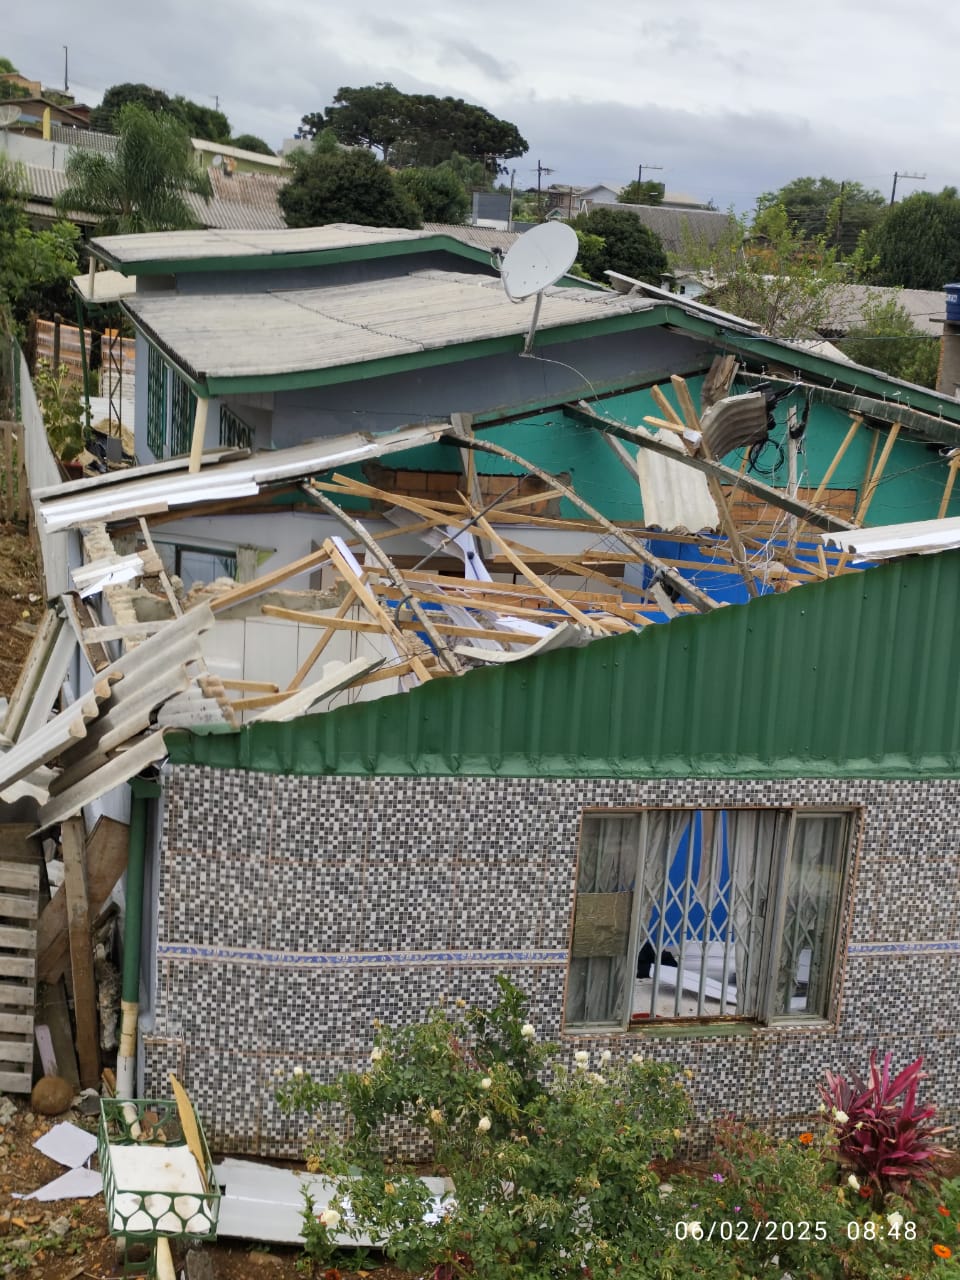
{"x":81,"y":952}
{"x":374,"y":608}
{"x":105,"y":858}
{"x":19,"y":907}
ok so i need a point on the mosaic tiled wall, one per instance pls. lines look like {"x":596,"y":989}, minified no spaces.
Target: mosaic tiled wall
{"x":293,"y":911}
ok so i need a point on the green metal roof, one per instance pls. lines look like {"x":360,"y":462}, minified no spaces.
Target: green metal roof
{"x":854,"y":677}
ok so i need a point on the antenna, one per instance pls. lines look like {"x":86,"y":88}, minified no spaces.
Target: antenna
{"x":216,"y":161}
{"x":536,"y":261}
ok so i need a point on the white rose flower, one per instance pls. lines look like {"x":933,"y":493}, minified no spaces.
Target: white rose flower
{"x":483,"y":1124}
{"x":528,"y":1031}
{"x":637,"y":1059}
{"x":486,"y":1082}
{"x":376,"y":1054}
{"x":841,"y":1117}
{"x":298,"y":1071}
{"x":896,"y":1220}
{"x":606,"y":1055}
{"x":854,"y":1182}
{"x":330,"y":1219}
{"x":581,"y":1057}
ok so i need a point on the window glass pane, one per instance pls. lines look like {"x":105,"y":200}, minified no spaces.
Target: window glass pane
{"x":814,"y":882}
{"x":704,"y":897}
{"x":597,"y":986}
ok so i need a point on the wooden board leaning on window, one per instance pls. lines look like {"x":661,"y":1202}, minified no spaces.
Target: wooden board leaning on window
{"x":602,"y":924}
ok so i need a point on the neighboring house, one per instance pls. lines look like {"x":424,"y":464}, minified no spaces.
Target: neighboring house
{"x":240,"y":201}
{"x":39,"y":114}
{"x":849,"y":302}
{"x":234,"y":159}
{"x":681,"y":840}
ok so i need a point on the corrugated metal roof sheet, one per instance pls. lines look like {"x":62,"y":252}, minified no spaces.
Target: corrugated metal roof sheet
{"x":120,"y":495}
{"x":854,"y":677}
{"x":285,"y":331}
{"x":846,"y":304}
{"x":889,"y":541}
{"x":479,"y":237}
{"x":679,"y":227}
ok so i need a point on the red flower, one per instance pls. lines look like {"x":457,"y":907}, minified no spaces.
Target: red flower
{"x":806,"y":1138}
{"x":942,"y":1251}
{"x":944,"y":1210}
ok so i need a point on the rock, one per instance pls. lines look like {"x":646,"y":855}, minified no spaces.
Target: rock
{"x":199,"y":1266}
{"x":59,"y":1227}
{"x":51,"y":1095}
{"x":7,"y":1111}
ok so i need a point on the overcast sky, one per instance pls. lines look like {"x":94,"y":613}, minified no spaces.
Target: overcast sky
{"x":730,"y":99}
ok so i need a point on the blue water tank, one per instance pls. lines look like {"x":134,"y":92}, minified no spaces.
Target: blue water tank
{"x":953,"y":303}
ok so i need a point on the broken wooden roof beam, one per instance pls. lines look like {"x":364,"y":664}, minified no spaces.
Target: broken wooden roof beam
{"x":687,"y":590}
{"x":444,"y":653}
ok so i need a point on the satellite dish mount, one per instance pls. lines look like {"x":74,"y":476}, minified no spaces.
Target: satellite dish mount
{"x":536,"y":261}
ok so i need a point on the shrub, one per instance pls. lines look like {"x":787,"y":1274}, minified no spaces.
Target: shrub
{"x":551,"y":1165}
{"x":882,"y":1133}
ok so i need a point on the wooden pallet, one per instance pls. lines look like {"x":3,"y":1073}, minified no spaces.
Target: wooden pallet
{"x":19,"y":908}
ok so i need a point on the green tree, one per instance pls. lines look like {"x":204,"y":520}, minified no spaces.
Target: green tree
{"x":642,"y":193}
{"x":416,"y":130}
{"x":199,"y":121}
{"x":8,"y":89}
{"x":764,"y":271}
{"x":437,"y":128}
{"x":916,"y":244}
{"x":32,"y":263}
{"x":250,"y":142}
{"x":824,"y":207}
{"x":438,"y":194}
{"x":887,"y":339}
{"x":474,"y":174}
{"x":104,"y":117}
{"x":142,"y":186}
{"x":627,"y":245}
{"x":366,"y":117}
{"x":344,"y":186}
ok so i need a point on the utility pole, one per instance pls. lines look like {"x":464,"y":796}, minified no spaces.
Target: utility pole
{"x":658,"y":168}
{"x":914,"y":177}
{"x":66,"y":78}
{"x":541,"y":170}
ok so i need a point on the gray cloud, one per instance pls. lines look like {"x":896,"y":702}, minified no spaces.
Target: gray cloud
{"x":486,"y":63}
{"x":731,"y":100}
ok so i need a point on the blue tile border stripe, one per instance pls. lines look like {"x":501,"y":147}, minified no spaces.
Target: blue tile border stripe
{"x":352,"y":959}
{"x":392,"y":959}
{"x":946,"y":947}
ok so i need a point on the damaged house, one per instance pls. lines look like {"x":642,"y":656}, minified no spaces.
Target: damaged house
{"x":423,"y":646}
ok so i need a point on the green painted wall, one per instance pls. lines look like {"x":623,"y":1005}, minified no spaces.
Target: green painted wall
{"x":855,"y":677}
{"x":911,"y":487}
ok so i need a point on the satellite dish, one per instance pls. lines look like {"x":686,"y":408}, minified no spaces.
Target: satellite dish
{"x":538,"y":259}
{"x":9,"y":114}
{"x":217,"y":161}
